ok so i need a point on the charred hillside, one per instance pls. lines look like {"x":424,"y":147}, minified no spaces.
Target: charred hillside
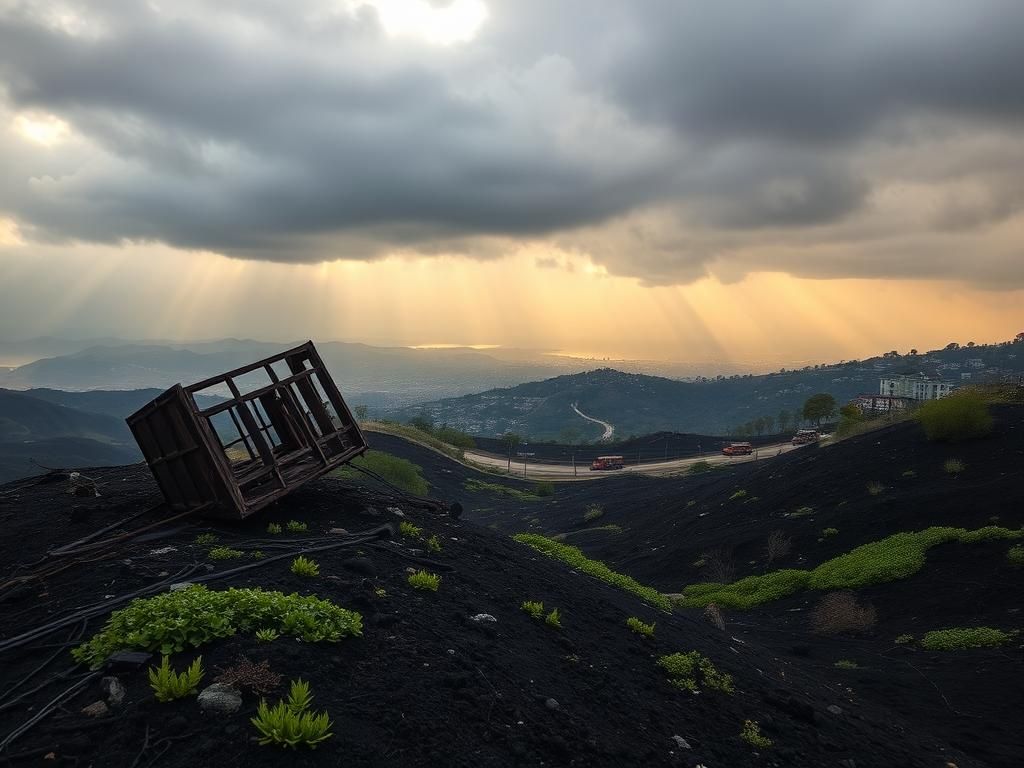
{"x":427,"y":681}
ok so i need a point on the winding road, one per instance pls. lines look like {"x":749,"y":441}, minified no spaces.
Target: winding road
{"x":609,"y":429}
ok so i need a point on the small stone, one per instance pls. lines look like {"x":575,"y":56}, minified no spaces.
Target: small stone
{"x":834,"y":709}
{"x":451,"y":651}
{"x":113,"y":691}
{"x":681,"y":742}
{"x":220,"y":699}
{"x":552,"y":704}
{"x":410,"y":570}
{"x":127,"y":661}
{"x":163,"y":551}
{"x":338,"y":531}
{"x":179,"y":585}
{"x":482,"y":617}
{"x":96,"y":709}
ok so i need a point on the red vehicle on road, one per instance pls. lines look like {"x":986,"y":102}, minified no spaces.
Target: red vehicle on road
{"x":738,"y":449}
{"x":607,"y":462}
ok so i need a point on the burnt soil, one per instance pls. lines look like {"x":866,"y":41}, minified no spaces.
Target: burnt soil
{"x":426,"y":685}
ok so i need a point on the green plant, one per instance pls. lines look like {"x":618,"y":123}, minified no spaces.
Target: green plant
{"x":647,"y":630}
{"x":960,"y":638}
{"x":480,"y":486}
{"x":434,"y":544}
{"x":273,"y":528}
{"x":890,"y":559}
{"x":408,"y":529}
{"x":699,"y":467}
{"x":751,"y":734}
{"x":738,"y":495}
{"x":846,"y":664}
{"x":257,"y":554}
{"x":289,"y":723}
{"x":692,"y":669}
{"x":554,"y":619}
{"x":190,"y":617}
{"x":424,"y":580}
{"x":700,"y":562}
{"x":826,"y":532}
{"x":395,"y":470}
{"x":206,"y":539}
{"x":904,"y":639}
{"x":691,"y":503}
{"x":875,"y":487}
{"x":594,"y":511}
{"x":380,"y":592}
{"x":953,"y":466}
{"x":1015,"y":555}
{"x":294,"y":526}
{"x":535,"y":609}
{"x":960,"y":416}
{"x":267,"y":635}
{"x":303,"y":566}
{"x":224,"y":553}
{"x":168,"y":685}
{"x":576,"y":559}
{"x":544,"y":488}
{"x":909,"y":473}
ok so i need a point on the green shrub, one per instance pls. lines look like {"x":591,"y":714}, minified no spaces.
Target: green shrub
{"x":904,"y":639}
{"x":751,"y":734}
{"x":576,"y":559}
{"x":289,"y":723}
{"x":267,"y":635}
{"x":480,"y":486}
{"x":535,"y":609}
{"x":424,"y":580}
{"x":294,"y":526}
{"x":544,"y":488}
{"x":647,"y":630}
{"x":554,"y":619}
{"x":273,"y":529}
{"x":303,"y":566}
{"x":594,"y":511}
{"x":961,"y":638}
{"x":846,"y":664}
{"x":257,"y":554}
{"x":434,"y":544}
{"x":224,"y":553}
{"x":738,"y":495}
{"x":692,"y":670}
{"x":395,"y":470}
{"x":890,"y":559}
{"x":206,"y":539}
{"x":408,"y":529}
{"x":1015,"y":555}
{"x":169,"y":685}
{"x":875,"y":487}
{"x":953,"y":466}
{"x":699,"y":467}
{"x":960,"y":416}
{"x":190,"y":617}
{"x":827,"y":532}
{"x":454,"y":437}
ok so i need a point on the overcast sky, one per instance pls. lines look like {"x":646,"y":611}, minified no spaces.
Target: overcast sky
{"x":620,"y":151}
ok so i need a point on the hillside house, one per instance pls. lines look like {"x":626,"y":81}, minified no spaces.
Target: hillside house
{"x":914,"y":387}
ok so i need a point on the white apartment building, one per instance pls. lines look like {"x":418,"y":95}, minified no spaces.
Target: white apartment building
{"x":914,"y":387}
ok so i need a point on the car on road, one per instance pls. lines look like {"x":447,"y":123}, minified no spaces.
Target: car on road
{"x":738,"y":449}
{"x":805,"y":436}
{"x":607,"y":462}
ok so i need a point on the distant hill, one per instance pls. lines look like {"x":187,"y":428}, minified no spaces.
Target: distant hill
{"x":26,"y":459}
{"x":636,"y":404}
{"x":117,"y":403}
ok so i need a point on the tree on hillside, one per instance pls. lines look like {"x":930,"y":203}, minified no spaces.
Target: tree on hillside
{"x":422,"y":423}
{"x":913,"y":352}
{"x":759,"y":425}
{"x":819,"y":407}
{"x":361,"y":412}
{"x":510,"y":441}
{"x":769,"y":424}
{"x":784,"y":418}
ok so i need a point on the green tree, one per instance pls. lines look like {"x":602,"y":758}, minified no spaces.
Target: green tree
{"x":784,"y":418}
{"x":759,"y":425}
{"x":769,"y":423}
{"x":422,"y":423}
{"x":362,"y":412}
{"x":819,"y":407}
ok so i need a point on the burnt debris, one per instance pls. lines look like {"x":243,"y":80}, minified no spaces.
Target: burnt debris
{"x":282,"y":423}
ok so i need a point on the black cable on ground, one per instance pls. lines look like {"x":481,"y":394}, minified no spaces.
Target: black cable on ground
{"x":400,"y":493}
{"x":60,"y":699}
{"x":72,"y":639}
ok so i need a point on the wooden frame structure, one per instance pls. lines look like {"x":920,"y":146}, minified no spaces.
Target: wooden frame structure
{"x":288,"y":429}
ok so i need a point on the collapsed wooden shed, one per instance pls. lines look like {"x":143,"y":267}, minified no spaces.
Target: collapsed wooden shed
{"x":278,"y":423}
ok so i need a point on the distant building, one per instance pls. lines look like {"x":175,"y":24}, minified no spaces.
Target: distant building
{"x":976,"y":362}
{"x":914,"y":387}
{"x":872,"y":405}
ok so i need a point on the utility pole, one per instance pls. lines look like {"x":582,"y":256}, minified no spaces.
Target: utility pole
{"x":574,"y":465}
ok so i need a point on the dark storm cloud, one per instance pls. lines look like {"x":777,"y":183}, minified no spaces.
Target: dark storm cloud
{"x":302,"y":131}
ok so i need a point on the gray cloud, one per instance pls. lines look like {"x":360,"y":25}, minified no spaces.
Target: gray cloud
{"x":663,"y":139}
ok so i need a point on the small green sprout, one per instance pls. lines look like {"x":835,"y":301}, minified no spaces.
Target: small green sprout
{"x":168,"y":685}
{"x":303,"y":566}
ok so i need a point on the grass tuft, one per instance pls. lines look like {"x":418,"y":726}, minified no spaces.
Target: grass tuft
{"x":169,"y":685}
{"x":692,"y":669}
{"x":424,"y":580}
{"x":303,"y":566}
{"x":647,"y":630}
{"x":961,"y":638}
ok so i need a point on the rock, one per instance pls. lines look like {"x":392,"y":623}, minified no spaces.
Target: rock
{"x":96,"y":709}
{"x":127,"y":661}
{"x":834,"y":709}
{"x":451,"y":651}
{"x":681,"y":742}
{"x":113,"y":691}
{"x":455,"y":510}
{"x":179,"y":585}
{"x":482,"y":617}
{"x":338,"y":531}
{"x":163,"y":551}
{"x":396,"y":511}
{"x":360,"y":565}
{"x":220,"y":699}
{"x":552,"y":704}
